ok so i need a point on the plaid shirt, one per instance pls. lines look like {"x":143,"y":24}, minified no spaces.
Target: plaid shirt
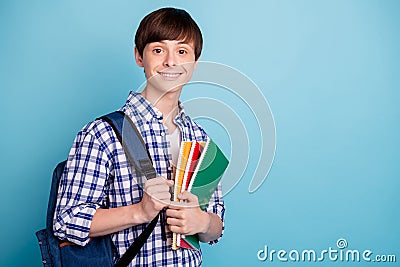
{"x":97,"y":174}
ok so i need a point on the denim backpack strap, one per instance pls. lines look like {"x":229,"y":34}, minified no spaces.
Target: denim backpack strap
{"x":138,"y":155}
{"x":132,"y":142}
{"x":51,"y":206}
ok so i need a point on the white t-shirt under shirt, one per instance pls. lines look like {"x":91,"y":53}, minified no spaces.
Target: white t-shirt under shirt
{"x":175,"y":141}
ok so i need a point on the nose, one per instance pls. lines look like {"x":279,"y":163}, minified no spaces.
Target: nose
{"x":170,"y":59}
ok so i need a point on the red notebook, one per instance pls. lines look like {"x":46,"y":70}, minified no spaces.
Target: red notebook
{"x":191,"y":165}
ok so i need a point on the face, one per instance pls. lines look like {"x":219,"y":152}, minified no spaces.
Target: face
{"x":168,"y":64}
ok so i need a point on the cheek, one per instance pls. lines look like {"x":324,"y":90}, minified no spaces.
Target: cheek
{"x":189,"y":58}
{"x":189,"y":66}
{"x":154,"y":63}
{"x":192,"y":56}
{"x":149,"y":63}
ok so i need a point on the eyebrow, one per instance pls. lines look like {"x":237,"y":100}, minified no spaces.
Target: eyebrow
{"x":163,"y":42}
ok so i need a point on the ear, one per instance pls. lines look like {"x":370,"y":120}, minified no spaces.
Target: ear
{"x":138,"y":58}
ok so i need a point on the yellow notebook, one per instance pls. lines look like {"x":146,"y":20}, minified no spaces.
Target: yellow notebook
{"x":179,"y":175}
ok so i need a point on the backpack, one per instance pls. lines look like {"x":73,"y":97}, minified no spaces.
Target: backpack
{"x":100,"y":250}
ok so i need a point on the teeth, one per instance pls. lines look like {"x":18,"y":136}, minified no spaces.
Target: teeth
{"x":169,"y":75}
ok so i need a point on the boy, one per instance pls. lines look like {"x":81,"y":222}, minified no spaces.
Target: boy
{"x":168,"y":45}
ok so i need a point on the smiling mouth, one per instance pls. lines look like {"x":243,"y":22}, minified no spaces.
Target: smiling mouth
{"x":170,"y":75}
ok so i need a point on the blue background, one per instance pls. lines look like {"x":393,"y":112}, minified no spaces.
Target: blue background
{"x":330,"y":72}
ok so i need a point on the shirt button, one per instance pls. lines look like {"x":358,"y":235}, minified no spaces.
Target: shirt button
{"x":162,"y":133}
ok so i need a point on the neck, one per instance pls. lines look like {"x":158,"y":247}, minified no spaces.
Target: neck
{"x":165,"y":102}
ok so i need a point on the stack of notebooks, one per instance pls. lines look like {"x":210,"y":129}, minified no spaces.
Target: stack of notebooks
{"x":200,"y":168}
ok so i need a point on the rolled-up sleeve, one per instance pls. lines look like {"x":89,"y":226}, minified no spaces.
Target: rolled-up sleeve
{"x":82,"y":186}
{"x":216,"y":205}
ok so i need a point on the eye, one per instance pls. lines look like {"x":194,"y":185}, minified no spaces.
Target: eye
{"x":157,"y":50}
{"x":182,"y":51}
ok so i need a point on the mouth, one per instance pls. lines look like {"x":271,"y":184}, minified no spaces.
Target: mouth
{"x":170,"y":75}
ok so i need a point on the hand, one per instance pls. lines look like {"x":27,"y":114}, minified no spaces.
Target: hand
{"x":156,"y":197}
{"x":186,"y":217}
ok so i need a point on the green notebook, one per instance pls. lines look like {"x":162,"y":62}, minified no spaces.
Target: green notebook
{"x":206,"y":176}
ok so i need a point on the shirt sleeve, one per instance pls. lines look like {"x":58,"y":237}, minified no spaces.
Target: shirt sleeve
{"x":82,"y":185}
{"x":216,"y":205}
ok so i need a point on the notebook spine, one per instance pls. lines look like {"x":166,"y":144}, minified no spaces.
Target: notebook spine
{"x":196,"y":170}
{"x":188,"y":166}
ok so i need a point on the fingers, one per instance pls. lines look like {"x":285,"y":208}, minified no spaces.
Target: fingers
{"x":159,"y":181}
{"x":157,"y":196}
{"x":176,"y":221}
{"x":189,"y":197}
{"x":159,"y":188}
{"x":174,"y":213}
{"x":170,"y":183}
{"x":177,"y":229}
{"x":186,"y":220}
{"x":154,"y":189}
{"x":187,"y":200}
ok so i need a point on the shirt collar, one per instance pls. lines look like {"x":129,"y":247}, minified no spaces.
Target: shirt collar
{"x":136,"y":102}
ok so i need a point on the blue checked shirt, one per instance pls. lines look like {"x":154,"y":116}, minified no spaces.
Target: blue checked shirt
{"x":97,"y":174}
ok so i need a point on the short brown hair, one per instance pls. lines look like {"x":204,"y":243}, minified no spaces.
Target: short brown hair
{"x":168,"y":24}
